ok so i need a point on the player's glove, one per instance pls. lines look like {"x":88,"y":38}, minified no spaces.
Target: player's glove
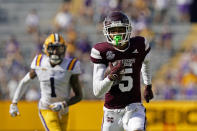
{"x":148,"y":93}
{"x":115,"y":70}
{"x":57,"y":106}
{"x":14,"y":110}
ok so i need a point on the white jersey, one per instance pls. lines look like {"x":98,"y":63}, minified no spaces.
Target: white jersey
{"x":54,"y":81}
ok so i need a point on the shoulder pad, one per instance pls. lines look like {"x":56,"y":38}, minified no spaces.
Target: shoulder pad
{"x":71,"y":63}
{"x":38,"y":59}
{"x":98,"y":52}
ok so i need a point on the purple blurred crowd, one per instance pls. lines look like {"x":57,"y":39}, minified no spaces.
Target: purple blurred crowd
{"x":68,"y":20}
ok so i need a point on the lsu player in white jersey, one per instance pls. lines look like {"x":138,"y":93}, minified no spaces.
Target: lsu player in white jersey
{"x":57,"y":75}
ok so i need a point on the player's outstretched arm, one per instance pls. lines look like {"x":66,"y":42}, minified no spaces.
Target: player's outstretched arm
{"x":19,"y":92}
{"x":74,"y":81}
{"x":146,"y":75}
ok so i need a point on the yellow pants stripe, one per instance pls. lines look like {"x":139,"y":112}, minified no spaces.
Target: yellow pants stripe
{"x":43,"y":121}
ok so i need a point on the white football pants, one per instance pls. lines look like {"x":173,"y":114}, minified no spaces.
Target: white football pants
{"x":130,"y":118}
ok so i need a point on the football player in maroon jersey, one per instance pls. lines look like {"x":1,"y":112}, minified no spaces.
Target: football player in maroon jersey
{"x":123,"y":109}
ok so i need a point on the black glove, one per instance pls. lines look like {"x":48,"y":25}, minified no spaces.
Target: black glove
{"x":148,"y":93}
{"x":115,"y":70}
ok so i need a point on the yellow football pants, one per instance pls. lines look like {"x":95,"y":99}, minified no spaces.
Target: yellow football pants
{"x":53,"y":121}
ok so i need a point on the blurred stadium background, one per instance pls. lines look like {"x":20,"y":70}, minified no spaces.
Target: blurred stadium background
{"x":169,"y":25}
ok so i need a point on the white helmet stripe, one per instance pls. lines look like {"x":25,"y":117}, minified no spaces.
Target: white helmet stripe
{"x":56,"y":36}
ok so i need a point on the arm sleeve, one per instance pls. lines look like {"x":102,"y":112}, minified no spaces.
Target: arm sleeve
{"x":147,"y":46}
{"x":21,"y":88}
{"x":101,"y":85}
{"x":146,"y":71}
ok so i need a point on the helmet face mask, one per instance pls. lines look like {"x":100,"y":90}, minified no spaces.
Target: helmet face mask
{"x":56,"y":52}
{"x":55,"y":48}
{"x":117,"y":35}
{"x":121,"y":24}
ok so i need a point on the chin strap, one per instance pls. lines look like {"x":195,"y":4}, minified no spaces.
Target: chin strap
{"x":122,"y":50}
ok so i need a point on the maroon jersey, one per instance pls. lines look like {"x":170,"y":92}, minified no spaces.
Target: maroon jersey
{"x":128,"y":90}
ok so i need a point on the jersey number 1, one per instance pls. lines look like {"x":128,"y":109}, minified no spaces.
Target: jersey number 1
{"x":52,"y":87}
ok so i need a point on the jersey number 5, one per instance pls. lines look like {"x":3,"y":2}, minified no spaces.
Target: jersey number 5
{"x":52,"y":87}
{"x":126,"y":83}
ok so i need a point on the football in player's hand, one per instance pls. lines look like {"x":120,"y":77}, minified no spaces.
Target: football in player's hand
{"x":109,"y":69}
